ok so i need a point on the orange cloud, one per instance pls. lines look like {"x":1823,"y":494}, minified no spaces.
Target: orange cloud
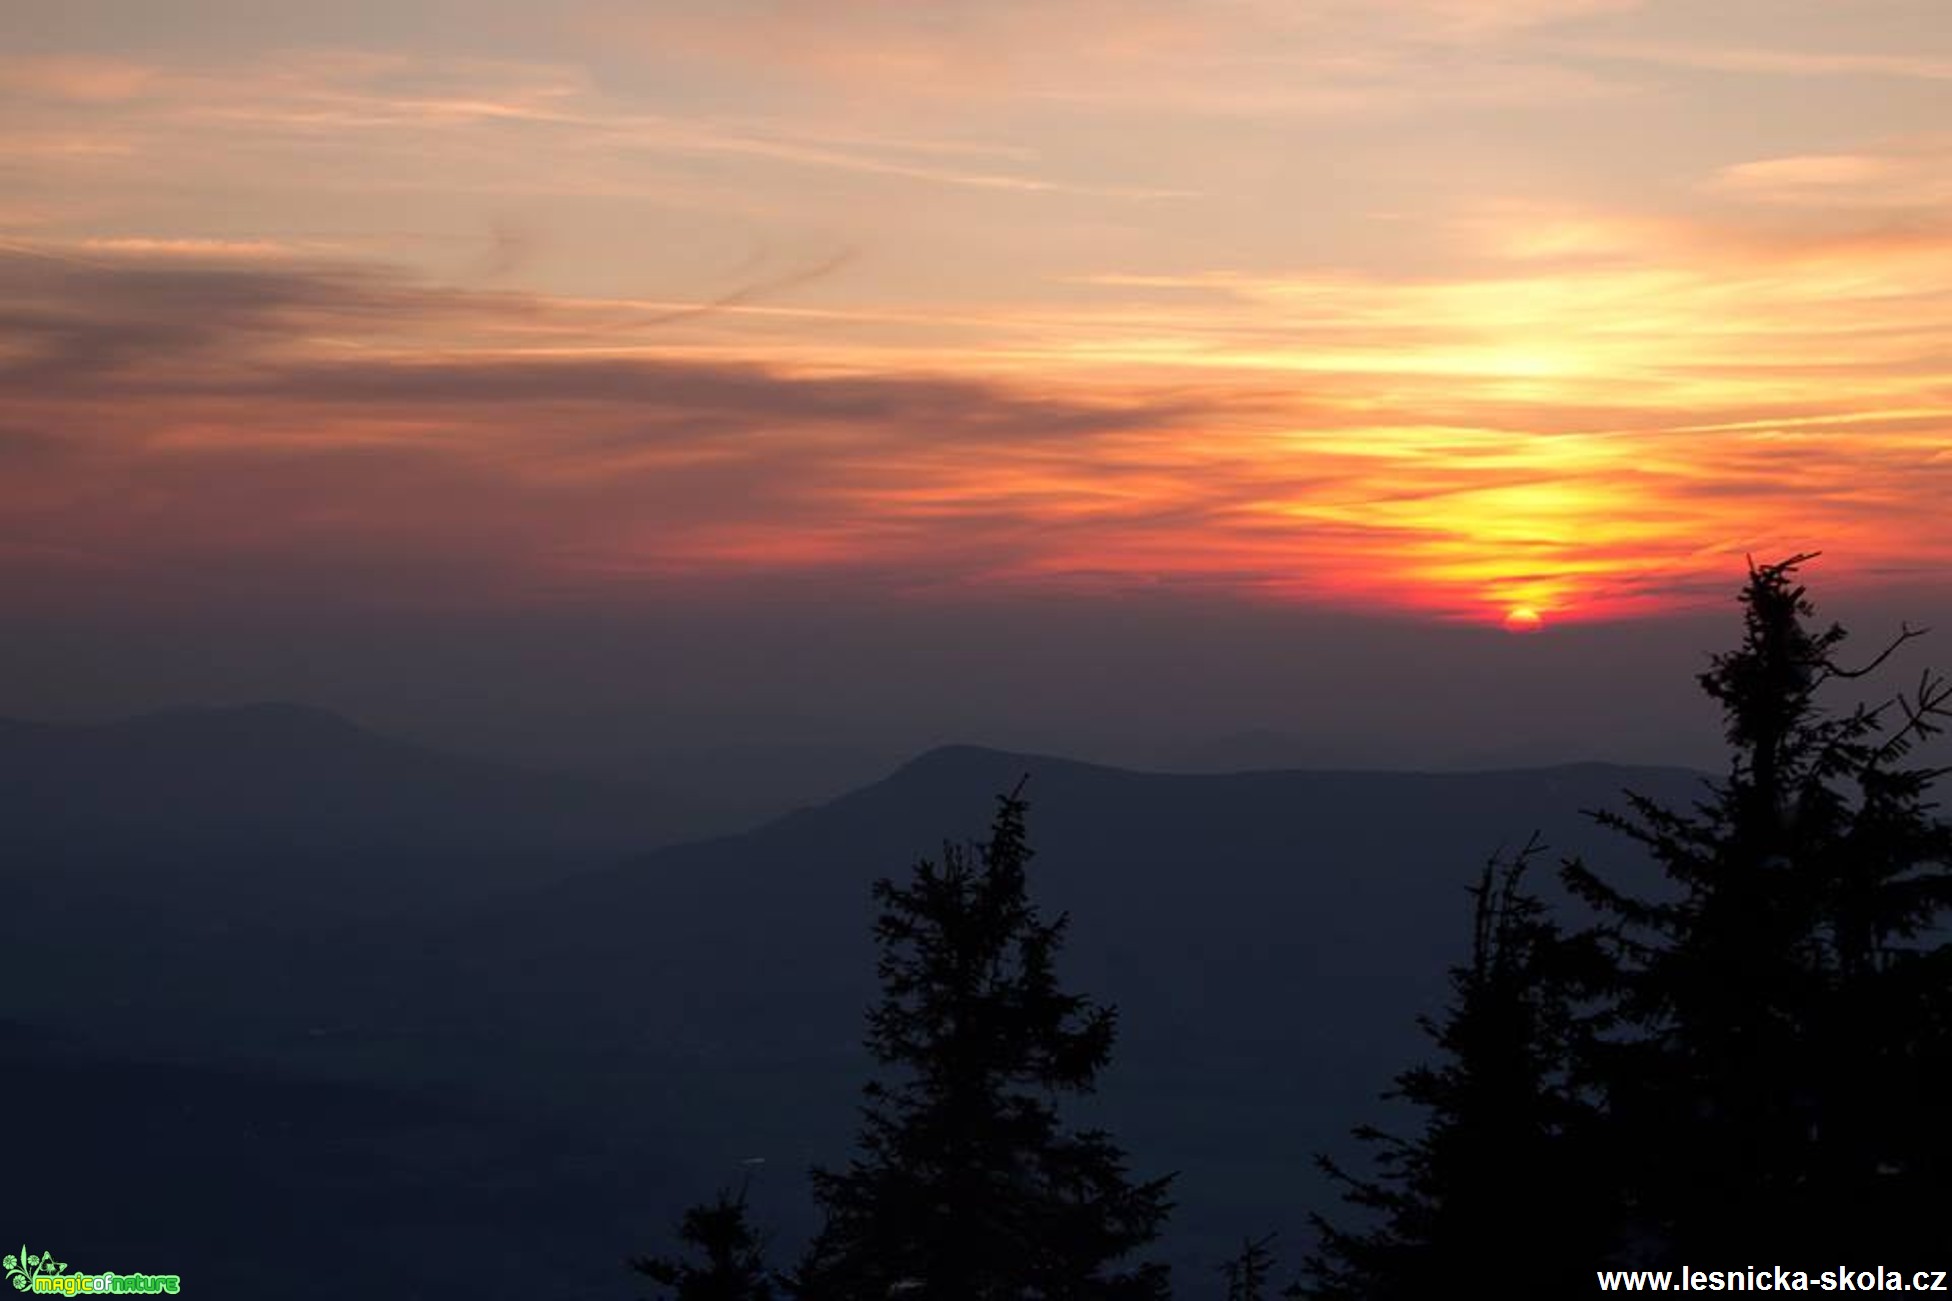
{"x":1918,"y":179}
{"x":1588,"y":444}
{"x":1330,"y":302}
{"x":77,"y":79}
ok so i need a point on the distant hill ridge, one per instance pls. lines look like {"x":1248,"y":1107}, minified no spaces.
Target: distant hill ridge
{"x":960,"y":759}
{"x":268,"y":808}
{"x":1268,"y":938}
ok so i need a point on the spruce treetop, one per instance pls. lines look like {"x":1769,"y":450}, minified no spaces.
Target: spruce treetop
{"x":965,"y":1184}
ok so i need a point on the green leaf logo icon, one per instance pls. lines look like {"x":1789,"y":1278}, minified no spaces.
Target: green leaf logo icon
{"x":23,"y":1268}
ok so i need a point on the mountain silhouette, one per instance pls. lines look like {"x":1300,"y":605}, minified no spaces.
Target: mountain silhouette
{"x":1267,"y":937}
{"x":263,"y":812}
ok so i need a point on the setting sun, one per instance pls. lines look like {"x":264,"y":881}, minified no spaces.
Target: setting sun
{"x":1523,"y":618}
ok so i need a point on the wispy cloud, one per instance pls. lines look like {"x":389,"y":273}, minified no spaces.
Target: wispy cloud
{"x":1763,"y":60}
{"x":1456,"y":446}
{"x":1440,"y":305}
{"x":343,"y":103}
{"x":1916,"y":179}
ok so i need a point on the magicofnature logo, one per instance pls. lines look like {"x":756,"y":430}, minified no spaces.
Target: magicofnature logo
{"x":45,"y":1275}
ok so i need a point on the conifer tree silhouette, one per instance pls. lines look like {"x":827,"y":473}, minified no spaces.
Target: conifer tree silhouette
{"x":1777,"y":1064}
{"x":733,"y":1268}
{"x":965,"y":1185}
{"x":1493,"y":1191}
{"x":1247,"y":1273}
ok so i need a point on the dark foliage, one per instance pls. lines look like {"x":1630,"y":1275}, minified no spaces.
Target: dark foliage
{"x":1776,"y":1063}
{"x":965,"y":1185}
{"x":1247,"y":1273}
{"x":733,"y":1266}
{"x":1494,"y":1187}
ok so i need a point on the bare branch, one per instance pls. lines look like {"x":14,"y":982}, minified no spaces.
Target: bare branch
{"x":1905,"y":633}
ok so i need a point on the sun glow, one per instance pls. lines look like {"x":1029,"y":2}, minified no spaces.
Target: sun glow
{"x":588,"y":330}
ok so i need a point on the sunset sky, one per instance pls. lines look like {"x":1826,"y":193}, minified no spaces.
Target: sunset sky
{"x":1418,"y":310}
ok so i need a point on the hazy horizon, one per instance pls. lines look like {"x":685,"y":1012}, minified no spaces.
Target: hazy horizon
{"x":1137,"y":681}
{"x":1079,"y":371}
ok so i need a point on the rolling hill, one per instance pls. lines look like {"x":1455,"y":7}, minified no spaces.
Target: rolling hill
{"x":267,"y":814}
{"x":1268,"y":938}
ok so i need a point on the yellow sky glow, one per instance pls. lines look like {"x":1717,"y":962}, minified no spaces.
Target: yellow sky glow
{"x":1432,"y":306}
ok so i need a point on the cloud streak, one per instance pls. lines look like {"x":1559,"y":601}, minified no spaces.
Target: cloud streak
{"x":281,"y":421}
{"x":1436,"y":306}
